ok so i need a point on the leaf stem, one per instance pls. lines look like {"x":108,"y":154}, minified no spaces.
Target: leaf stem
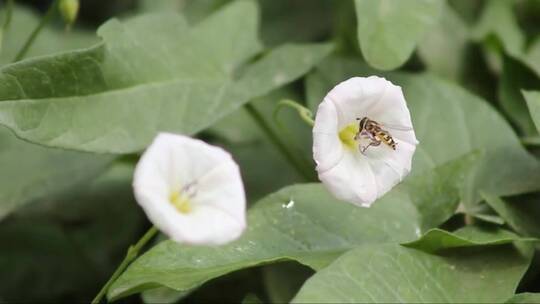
{"x":48,"y":15}
{"x":307,"y":117}
{"x":7,"y":21}
{"x":305,"y":113}
{"x":276,"y":141}
{"x":132,"y":253}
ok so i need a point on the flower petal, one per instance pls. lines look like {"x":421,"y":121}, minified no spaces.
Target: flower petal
{"x":224,"y":197}
{"x":327,"y":148}
{"x":351,"y":180}
{"x":399,"y":160}
{"x":392,"y":113}
{"x":354,"y":98}
{"x":362,"y":175}
{"x":207,"y":225}
{"x":390,"y":167}
{"x":174,"y":162}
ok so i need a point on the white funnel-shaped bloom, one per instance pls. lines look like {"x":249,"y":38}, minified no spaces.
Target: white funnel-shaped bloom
{"x":191,"y":191}
{"x":356,"y":165}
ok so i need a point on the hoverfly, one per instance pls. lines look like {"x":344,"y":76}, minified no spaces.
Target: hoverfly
{"x":374,"y":131}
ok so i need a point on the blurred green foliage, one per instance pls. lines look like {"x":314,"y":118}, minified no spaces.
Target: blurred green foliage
{"x":470,"y":71}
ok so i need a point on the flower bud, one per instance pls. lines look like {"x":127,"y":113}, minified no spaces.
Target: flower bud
{"x":69,"y":10}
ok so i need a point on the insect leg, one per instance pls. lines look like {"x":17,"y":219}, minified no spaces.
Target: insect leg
{"x":373,"y":142}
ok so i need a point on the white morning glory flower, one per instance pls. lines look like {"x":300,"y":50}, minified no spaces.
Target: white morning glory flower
{"x":190,"y":190}
{"x":355,"y":166}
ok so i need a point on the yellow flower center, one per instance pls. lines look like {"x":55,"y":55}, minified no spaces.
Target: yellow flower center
{"x":347,"y":134}
{"x":180,"y":202}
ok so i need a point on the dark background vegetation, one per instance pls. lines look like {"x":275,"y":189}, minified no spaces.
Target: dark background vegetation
{"x":66,"y":249}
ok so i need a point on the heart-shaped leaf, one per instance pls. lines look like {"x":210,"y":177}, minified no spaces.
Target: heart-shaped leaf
{"x":116,"y":96}
{"x":396,"y":274}
{"x":388,"y":30}
{"x":303,"y":223}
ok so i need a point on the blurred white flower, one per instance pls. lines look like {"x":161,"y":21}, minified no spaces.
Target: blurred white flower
{"x":355,"y":166}
{"x":191,"y":191}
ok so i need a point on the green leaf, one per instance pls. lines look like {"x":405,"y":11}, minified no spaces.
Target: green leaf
{"x":302,"y":21}
{"x":303,"y":223}
{"x":526,"y":297}
{"x":533,"y":102}
{"x":470,"y":236}
{"x":468,"y":10}
{"x":50,"y":40}
{"x":449,"y":123}
{"x":31,"y":172}
{"x":521,"y":216}
{"x":514,"y":78}
{"x":499,"y":22}
{"x":388,"y":30}
{"x":150,"y":6}
{"x":135,"y":89}
{"x":193,"y":11}
{"x":436,"y":193}
{"x":443,"y":48}
{"x":69,"y":246}
{"x":395,"y":274}
{"x":469,"y":124}
{"x":162,"y":295}
{"x":532,"y":57}
{"x":488,"y":218}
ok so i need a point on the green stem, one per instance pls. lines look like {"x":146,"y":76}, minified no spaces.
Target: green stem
{"x":9,"y":13}
{"x":48,"y":15}
{"x":275,"y":139}
{"x":305,"y":113}
{"x":307,"y":117}
{"x":132,"y":253}
{"x":7,"y":21}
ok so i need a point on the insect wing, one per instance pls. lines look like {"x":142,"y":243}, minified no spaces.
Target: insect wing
{"x":396,"y":127}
